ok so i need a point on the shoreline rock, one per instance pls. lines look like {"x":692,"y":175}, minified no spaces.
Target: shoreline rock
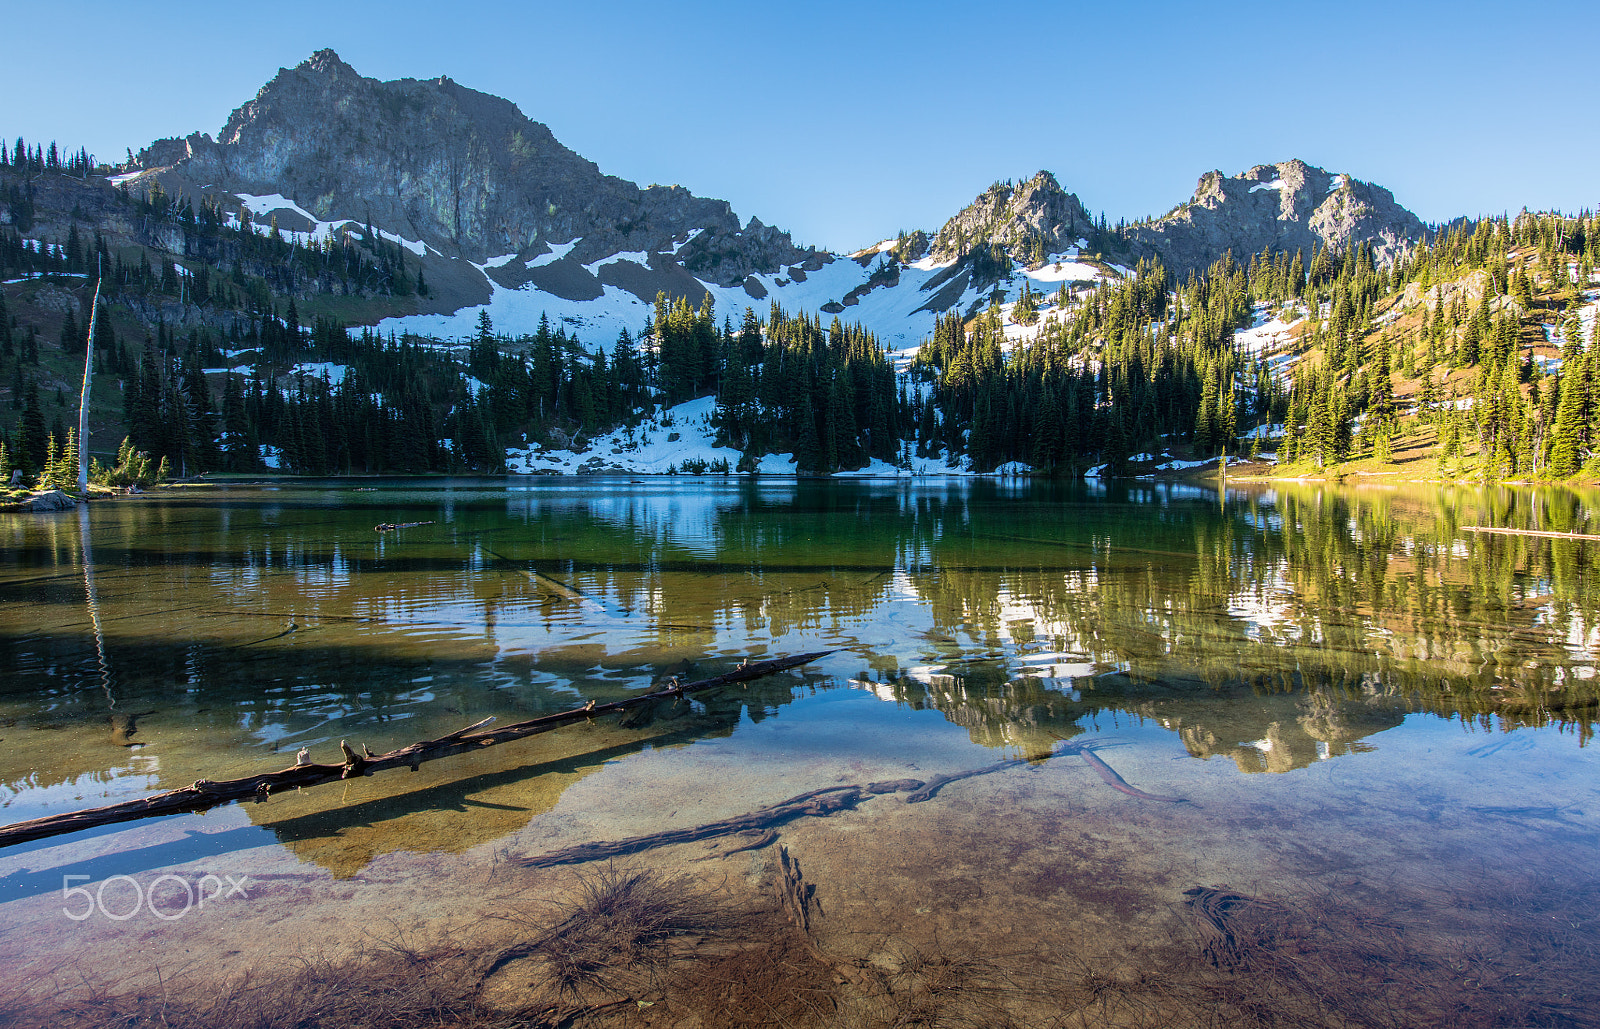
{"x":53,"y":500}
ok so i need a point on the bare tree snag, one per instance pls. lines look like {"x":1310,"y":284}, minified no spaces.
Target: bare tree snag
{"x":794,"y":893}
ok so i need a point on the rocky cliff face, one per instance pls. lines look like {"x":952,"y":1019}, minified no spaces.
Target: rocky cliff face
{"x":1286,"y":206}
{"x":460,"y":170}
{"x":1037,"y":215}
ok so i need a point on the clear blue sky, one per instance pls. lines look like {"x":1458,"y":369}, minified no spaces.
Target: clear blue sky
{"x":843,"y":122}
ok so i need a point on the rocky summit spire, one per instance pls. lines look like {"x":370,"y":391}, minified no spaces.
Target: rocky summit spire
{"x":326,"y":62}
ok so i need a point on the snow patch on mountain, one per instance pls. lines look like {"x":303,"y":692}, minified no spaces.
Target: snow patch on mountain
{"x":417,"y":247}
{"x":639,"y":257}
{"x":892,"y":313}
{"x":1268,"y":335}
{"x":666,"y":441}
{"x":517,"y":312}
{"x":1063,"y":269}
{"x":1270,"y":338}
{"x":897,"y":314}
{"x":883,"y":246}
{"x":557,"y":252}
{"x":334,"y":373}
{"x":265,"y":205}
{"x":690,"y":238}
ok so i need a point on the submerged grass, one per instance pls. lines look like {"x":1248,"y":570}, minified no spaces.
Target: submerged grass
{"x":618,"y":934}
{"x":631,"y":947}
{"x":365,"y":989}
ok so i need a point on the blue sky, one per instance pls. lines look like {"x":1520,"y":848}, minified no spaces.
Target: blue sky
{"x":844,"y":122}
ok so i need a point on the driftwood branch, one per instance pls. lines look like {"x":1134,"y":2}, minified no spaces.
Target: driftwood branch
{"x":763,"y":822}
{"x":204,"y":794}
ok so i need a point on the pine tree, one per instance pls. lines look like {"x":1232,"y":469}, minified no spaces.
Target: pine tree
{"x":32,"y":437}
{"x":807,"y":449}
{"x":1566,"y":435}
{"x":1205,"y":442}
{"x":1047,"y":435}
{"x":51,"y":465}
{"x":61,"y":462}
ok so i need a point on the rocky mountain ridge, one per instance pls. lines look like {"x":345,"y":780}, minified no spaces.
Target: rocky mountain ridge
{"x":462,"y":172}
{"x":1287,"y":206}
{"x":503,"y":217}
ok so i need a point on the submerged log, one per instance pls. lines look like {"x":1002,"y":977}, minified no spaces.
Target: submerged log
{"x":548,"y":583}
{"x":204,"y":793}
{"x":818,"y":804}
{"x":925,"y":791}
{"x":762,"y":823}
{"x":794,"y":893}
{"x":1109,"y":775}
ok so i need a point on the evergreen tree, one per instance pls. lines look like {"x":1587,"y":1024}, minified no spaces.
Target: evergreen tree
{"x":32,"y":437}
{"x":808,"y":450}
{"x":1566,"y":436}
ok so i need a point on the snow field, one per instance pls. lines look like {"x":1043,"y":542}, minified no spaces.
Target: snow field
{"x":650,"y":449}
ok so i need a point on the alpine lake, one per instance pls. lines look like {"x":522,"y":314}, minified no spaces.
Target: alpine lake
{"x":1299,"y":754}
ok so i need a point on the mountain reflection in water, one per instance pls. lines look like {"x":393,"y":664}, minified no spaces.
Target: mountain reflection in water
{"x":1275,"y":628}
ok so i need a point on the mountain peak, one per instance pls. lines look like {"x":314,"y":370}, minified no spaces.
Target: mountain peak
{"x":1035,"y":218}
{"x":466,"y":174}
{"x":325,"y":62}
{"x":1044,"y":179}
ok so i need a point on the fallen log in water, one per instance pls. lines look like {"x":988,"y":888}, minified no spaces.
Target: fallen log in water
{"x":1529,"y":532}
{"x":204,"y":793}
{"x":392,"y":526}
